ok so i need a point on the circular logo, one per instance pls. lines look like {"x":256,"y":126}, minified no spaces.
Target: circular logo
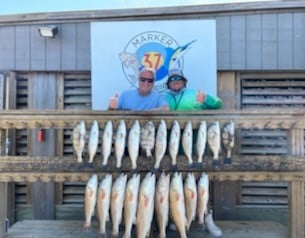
{"x":151,"y":49}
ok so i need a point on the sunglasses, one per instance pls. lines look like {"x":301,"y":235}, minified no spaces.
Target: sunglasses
{"x":148,"y":80}
{"x":175,"y":78}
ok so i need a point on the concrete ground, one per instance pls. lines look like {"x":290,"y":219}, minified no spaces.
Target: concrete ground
{"x":73,"y":229}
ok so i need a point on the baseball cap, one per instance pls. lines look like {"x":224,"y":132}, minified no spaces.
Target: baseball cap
{"x":175,"y":74}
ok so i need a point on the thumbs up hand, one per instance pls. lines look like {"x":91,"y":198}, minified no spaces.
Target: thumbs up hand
{"x":113,"y":101}
{"x":200,"y":97}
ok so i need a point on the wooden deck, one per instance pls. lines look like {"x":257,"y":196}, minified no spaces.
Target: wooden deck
{"x":73,"y":229}
{"x":36,"y":167}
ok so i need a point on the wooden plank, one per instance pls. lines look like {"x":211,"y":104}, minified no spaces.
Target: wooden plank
{"x":272,"y":92}
{"x":37,"y":50}
{"x":44,"y":86}
{"x":224,"y":200}
{"x":73,"y":229}
{"x":276,"y":101}
{"x":67,"y":119}
{"x":213,"y":175}
{"x":22,"y":47}
{"x":254,"y":41}
{"x":264,"y":200}
{"x":78,"y":91}
{"x":83,"y":51}
{"x":7,"y":56}
{"x":275,"y":83}
{"x":53,"y":52}
{"x":68,"y":54}
{"x":223,"y":42}
{"x":226,"y":88}
{"x":296,"y":142}
{"x":298,"y":46}
{"x":2,"y":91}
{"x":208,"y":9}
{"x":265,"y":184}
{"x":269,"y":41}
{"x":285,"y":41}
{"x":260,"y":191}
{"x":238,"y":42}
{"x":7,"y":205}
{"x":44,"y":200}
{"x":53,"y":164}
{"x":296,"y":209}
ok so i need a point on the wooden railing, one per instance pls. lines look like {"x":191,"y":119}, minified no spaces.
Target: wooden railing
{"x":289,"y":167}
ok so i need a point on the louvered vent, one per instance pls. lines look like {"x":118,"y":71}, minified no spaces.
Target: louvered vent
{"x":21,"y":193}
{"x":21,"y":148}
{"x":77,"y":96}
{"x":74,"y":193}
{"x":264,"y":193}
{"x":22,"y":91}
{"x":263,"y":142}
{"x":77,"y":91}
{"x":272,"y":92}
{"x":21,"y":103}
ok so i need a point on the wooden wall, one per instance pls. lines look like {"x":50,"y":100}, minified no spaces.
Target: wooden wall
{"x":247,"y":39}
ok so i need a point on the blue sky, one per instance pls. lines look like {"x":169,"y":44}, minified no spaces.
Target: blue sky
{"x":32,"y":6}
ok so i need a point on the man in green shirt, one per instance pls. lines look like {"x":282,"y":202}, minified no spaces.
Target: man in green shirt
{"x":181,"y":98}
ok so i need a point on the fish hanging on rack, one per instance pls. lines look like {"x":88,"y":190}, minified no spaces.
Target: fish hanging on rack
{"x":78,"y":140}
{"x":107,"y":142}
{"x":187,"y":142}
{"x":177,"y":203}
{"x":203,"y":197}
{"x":130,"y":203}
{"x":93,"y":141}
{"x":190,"y":194}
{"x":117,"y":201}
{"x":90,"y":200}
{"x":145,"y":210}
{"x":103,"y":201}
{"x":162,"y":203}
{"x":148,"y":138}
{"x":160,"y":144}
{"x":201,"y":140}
{"x":120,"y":141}
{"x":214,"y":139}
{"x":174,"y":142}
{"x":134,"y":143}
{"x":228,"y":140}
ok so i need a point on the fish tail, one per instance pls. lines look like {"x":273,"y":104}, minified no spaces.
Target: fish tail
{"x":133,"y":164}
{"x":79,"y":158}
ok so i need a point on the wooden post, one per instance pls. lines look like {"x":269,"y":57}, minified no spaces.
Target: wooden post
{"x":296,"y":188}
{"x":7,"y":190}
{"x":296,"y":209}
{"x":227,"y":90}
{"x":42,"y":88}
{"x":225,"y":192}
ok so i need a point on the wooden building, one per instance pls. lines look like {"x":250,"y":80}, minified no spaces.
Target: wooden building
{"x":260,"y":67}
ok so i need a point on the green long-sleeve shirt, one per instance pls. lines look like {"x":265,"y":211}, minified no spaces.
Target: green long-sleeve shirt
{"x":186,"y":100}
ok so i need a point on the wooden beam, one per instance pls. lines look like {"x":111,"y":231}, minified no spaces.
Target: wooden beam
{"x":69,"y":164}
{"x":296,"y":209}
{"x":67,"y":119}
{"x":152,"y":12}
{"x":213,"y":176}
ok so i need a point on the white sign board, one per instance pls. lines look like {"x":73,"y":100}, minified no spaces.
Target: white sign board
{"x":120,"y":49}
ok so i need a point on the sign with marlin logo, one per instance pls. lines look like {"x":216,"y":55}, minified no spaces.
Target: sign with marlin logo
{"x":119,"y":50}
{"x":156,"y":50}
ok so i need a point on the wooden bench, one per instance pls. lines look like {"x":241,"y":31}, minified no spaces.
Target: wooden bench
{"x":57,"y":168}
